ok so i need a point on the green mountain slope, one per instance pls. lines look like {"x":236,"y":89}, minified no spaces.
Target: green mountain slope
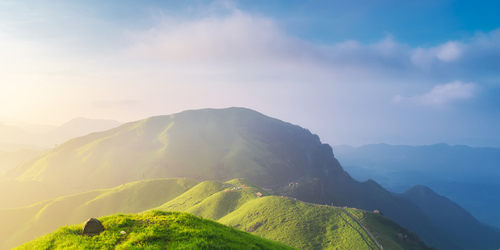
{"x":41,"y":218}
{"x":201,"y":145}
{"x":237,"y":203}
{"x":154,"y":230}
{"x":9,"y":160}
{"x":298,"y":224}
{"x":24,"y":193}
{"x":388,"y":233}
{"x":217,"y":145}
{"x":214,"y":199}
{"x":305,"y":226}
{"x":370,"y":196}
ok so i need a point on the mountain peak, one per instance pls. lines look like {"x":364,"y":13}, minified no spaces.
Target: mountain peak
{"x":420,"y":190}
{"x":215,"y":144}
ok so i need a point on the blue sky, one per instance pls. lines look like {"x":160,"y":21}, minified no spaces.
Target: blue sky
{"x":353,"y":72}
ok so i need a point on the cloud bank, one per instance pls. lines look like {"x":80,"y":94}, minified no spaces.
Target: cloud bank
{"x":441,"y":95}
{"x":240,"y":38}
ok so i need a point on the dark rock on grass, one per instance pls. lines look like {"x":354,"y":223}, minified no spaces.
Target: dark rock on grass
{"x":92,"y":227}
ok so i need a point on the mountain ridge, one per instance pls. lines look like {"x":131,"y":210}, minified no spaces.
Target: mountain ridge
{"x":467,"y":175}
{"x":237,"y":203}
{"x":441,"y":209}
{"x":219,"y":145}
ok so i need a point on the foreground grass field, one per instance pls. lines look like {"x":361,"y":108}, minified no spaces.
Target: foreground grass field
{"x":26,"y":223}
{"x":154,"y":230}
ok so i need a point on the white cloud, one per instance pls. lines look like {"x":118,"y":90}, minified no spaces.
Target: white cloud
{"x":477,"y":57}
{"x":449,"y":52}
{"x":233,"y":58}
{"x":239,"y":37}
{"x":386,"y":45}
{"x":441,"y":95}
{"x":422,"y":58}
{"x":398,"y":99}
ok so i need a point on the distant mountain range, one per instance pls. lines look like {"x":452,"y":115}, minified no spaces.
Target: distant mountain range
{"x":12,"y":137}
{"x":221,"y":145}
{"x":468,"y":176}
{"x":18,"y":145}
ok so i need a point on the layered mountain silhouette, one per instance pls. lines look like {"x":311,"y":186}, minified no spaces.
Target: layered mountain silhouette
{"x":452,"y":218}
{"x":12,"y":137}
{"x":220,"y":145}
{"x":466,"y":175}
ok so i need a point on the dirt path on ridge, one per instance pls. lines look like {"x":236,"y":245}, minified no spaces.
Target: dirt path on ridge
{"x":366,"y":230}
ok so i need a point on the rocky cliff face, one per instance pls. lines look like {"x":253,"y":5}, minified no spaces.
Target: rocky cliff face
{"x":301,"y":154}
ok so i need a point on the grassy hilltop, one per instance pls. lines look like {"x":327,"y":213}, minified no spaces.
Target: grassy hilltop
{"x":287,"y":220}
{"x":154,"y":230}
{"x":26,"y":223}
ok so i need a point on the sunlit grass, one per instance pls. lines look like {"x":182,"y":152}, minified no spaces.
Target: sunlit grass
{"x":154,"y":230}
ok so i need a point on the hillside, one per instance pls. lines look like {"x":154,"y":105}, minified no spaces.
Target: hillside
{"x":217,"y":145}
{"x":201,"y":145}
{"x":9,"y":160}
{"x":154,"y":230}
{"x":287,"y":220}
{"x":236,"y":203}
{"x":29,"y":222}
{"x":370,"y":196}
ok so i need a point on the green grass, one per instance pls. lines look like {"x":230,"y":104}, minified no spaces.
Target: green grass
{"x":9,"y":160}
{"x":234,"y":203}
{"x":388,"y":232}
{"x":200,"y":145}
{"x":154,"y":230}
{"x":193,"y":196}
{"x":298,"y":224}
{"x":214,"y":200}
{"x":44,"y":217}
{"x":286,"y":220}
{"x":132,"y":198}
